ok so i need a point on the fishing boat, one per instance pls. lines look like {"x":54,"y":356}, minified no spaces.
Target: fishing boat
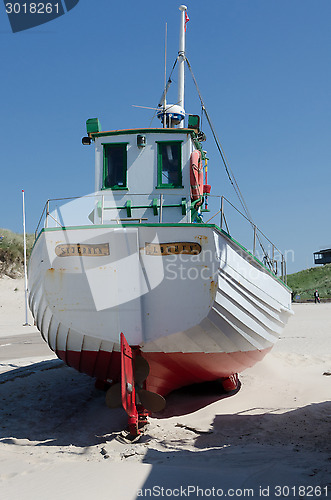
{"x":131,"y":286}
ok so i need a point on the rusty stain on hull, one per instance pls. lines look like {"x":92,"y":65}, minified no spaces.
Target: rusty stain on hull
{"x":201,"y":238}
{"x":213,"y":289}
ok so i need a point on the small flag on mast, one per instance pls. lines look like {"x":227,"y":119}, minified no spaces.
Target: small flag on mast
{"x":186,"y":19}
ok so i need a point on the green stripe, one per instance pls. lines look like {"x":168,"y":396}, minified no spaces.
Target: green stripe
{"x":160,"y":224}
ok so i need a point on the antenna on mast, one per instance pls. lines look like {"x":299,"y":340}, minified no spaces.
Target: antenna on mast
{"x":181,"y":60}
{"x":174,"y":114}
{"x":165,"y":74}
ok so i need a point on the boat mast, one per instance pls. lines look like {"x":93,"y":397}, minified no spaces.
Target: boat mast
{"x":181,"y":61}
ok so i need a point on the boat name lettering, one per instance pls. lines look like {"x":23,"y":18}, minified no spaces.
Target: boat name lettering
{"x":82,"y":250}
{"x":180,"y":247}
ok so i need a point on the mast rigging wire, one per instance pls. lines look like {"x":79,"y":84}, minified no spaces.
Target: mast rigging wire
{"x":227,"y":167}
{"x":230,"y":174}
{"x":228,"y":170}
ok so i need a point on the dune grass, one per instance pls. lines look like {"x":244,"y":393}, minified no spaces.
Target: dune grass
{"x":304,"y":283}
{"x":12,"y":253}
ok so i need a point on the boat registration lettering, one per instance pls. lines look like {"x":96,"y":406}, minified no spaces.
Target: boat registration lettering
{"x":180,"y":247}
{"x":82,"y":250}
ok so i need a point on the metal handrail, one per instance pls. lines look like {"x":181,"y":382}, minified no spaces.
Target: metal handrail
{"x":101,"y":195}
{"x":269,"y":260}
{"x":41,"y":218}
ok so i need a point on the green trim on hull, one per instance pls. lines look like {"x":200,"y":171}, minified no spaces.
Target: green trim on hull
{"x":161,"y":224}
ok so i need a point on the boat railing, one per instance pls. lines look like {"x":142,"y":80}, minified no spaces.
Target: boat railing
{"x":133,"y":203}
{"x":260,"y":246}
{"x":62,"y":212}
{"x":73,"y":211}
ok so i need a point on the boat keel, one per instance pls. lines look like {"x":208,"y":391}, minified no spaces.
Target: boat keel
{"x":230,"y":383}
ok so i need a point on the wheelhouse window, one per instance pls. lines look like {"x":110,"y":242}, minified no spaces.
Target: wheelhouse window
{"x":169,"y":164}
{"x":115,"y":166}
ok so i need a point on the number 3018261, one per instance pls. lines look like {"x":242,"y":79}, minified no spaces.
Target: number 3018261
{"x":32,"y":8}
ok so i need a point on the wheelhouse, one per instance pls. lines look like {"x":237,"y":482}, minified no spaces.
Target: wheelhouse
{"x":144,"y":174}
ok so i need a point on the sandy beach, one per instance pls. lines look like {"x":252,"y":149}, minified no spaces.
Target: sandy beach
{"x":271,"y":439}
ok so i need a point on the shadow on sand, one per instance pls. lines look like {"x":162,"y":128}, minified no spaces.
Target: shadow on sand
{"x":53,"y":404}
{"x":267,"y":454}
{"x":258,"y":447}
{"x":194,"y":397}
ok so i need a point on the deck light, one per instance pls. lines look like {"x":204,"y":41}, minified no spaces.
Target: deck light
{"x":86,"y":141}
{"x":141,"y":141}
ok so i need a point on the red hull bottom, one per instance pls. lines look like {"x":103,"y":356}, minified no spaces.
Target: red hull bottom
{"x":168,"y":371}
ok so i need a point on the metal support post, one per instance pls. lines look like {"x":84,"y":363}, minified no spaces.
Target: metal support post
{"x":102,"y":207}
{"x":47,"y":213}
{"x":282,"y":267}
{"x":222,"y":208}
{"x":161,"y":204}
{"x":254,"y":242}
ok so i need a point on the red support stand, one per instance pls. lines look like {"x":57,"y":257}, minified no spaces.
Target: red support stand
{"x":128,"y":386}
{"x":136,"y":400}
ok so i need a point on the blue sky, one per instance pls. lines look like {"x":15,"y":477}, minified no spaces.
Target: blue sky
{"x":263,"y":68}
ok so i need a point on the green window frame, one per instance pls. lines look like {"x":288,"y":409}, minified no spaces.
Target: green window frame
{"x":169,"y":164}
{"x":115,"y":165}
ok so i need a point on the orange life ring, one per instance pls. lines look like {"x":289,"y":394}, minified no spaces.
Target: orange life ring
{"x":196,"y":175}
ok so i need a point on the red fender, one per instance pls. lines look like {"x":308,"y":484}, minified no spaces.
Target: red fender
{"x":196,"y":175}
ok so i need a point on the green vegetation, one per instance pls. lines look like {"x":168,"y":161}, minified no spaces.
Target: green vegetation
{"x":304,"y":283}
{"x":12,"y":251}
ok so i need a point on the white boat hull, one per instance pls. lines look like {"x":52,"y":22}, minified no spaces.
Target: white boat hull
{"x":200,"y":315}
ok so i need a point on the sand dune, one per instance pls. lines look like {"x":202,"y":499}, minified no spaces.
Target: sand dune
{"x":58,"y":438}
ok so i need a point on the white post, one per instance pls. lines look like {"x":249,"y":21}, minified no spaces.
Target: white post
{"x":161,"y":207}
{"x":181,"y":61}
{"x":25,"y":269}
{"x":102,"y":207}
